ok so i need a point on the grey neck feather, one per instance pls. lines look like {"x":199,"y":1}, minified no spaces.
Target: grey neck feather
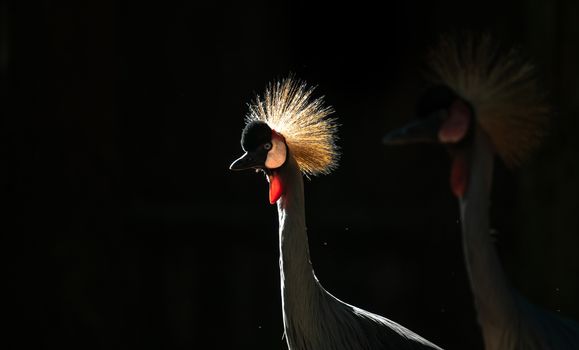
{"x":493,"y":297}
{"x":301,"y":291}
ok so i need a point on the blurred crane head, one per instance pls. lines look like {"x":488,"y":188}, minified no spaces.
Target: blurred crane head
{"x":477,"y":88}
{"x":285,"y":121}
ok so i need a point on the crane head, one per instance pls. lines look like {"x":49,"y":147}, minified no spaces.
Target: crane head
{"x":266,"y":150}
{"x":285,"y":119}
{"x":442,"y":117}
{"x":478,"y":85}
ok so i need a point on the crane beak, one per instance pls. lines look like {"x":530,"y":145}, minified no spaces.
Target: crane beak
{"x":249,"y":160}
{"x":424,"y":130}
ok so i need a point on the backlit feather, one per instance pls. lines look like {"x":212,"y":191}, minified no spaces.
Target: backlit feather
{"x":310,"y":135}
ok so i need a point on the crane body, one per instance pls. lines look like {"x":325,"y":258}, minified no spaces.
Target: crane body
{"x":507,"y":319}
{"x":484,"y":103}
{"x":286,"y":135}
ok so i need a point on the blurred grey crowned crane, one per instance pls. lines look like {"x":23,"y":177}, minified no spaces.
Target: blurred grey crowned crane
{"x":286,"y":135}
{"x":483,"y":103}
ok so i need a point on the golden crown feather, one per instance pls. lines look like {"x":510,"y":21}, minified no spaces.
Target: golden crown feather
{"x":310,"y":134}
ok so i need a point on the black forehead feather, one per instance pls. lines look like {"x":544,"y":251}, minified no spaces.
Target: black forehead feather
{"x":255,"y":134}
{"x":435,"y":98}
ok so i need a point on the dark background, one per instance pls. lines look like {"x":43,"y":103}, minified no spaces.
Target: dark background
{"x":124,"y":228}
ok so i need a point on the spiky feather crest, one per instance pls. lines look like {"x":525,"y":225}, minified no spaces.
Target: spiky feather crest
{"x":310,"y":135}
{"x":500,"y":87}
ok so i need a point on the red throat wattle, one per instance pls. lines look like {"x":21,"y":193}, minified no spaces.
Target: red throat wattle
{"x":459,"y":175}
{"x":275,"y":187}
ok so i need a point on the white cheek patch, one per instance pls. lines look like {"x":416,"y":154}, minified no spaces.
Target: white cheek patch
{"x":276,"y":155}
{"x":456,"y":126}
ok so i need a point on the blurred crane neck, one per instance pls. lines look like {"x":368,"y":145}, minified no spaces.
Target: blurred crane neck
{"x":474,"y":205}
{"x":492,"y":295}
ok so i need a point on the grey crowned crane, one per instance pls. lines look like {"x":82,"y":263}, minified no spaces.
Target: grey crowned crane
{"x":484,"y":102}
{"x":286,"y":135}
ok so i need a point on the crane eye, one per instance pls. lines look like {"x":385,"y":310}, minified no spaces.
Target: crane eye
{"x":267,"y":146}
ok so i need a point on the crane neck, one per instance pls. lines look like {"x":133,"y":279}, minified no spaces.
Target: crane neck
{"x":493,"y":298}
{"x":295,"y":266}
{"x":300,"y":290}
{"x":474,"y":205}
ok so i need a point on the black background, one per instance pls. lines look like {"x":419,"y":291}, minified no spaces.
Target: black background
{"x":124,"y":228}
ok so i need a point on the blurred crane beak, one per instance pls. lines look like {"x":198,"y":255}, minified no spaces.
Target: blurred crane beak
{"x":424,"y":130}
{"x":247,"y":161}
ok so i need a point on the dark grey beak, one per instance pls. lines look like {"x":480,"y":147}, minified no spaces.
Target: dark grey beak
{"x":247,"y":161}
{"x":424,"y":130}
